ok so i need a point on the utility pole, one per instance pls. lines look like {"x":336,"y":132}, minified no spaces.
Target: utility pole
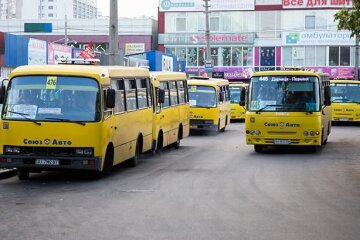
{"x":66,"y":34}
{"x":208,"y":61}
{"x":113,"y":34}
{"x":357,"y":57}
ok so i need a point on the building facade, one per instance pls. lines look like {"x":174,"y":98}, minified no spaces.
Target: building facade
{"x":259,"y":35}
{"x":48,"y":9}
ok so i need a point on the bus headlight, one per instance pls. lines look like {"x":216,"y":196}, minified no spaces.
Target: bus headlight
{"x":306,"y":133}
{"x":10,"y":149}
{"x":257,"y":132}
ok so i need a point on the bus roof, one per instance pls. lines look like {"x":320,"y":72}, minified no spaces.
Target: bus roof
{"x":162,"y":76}
{"x":101,"y":73}
{"x":287,"y":73}
{"x":345,"y":81}
{"x":208,"y":82}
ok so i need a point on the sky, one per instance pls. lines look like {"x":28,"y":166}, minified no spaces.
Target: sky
{"x":131,"y":8}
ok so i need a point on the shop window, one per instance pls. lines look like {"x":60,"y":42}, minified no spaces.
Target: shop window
{"x":214,"y":56}
{"x":226,"y":56}
{"x":237,"y":56}
{"x":344,"y":56}
{"x":181,"y":24}
{"x":214,"y":24}
{"x":202,"y":56}
{"x":334,"y":56}
{"x":248,"y":56}
{"x":309,"y":22}
{"x":191,"y":58}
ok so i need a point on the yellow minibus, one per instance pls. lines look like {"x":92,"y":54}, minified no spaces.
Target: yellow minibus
{"x":236,"y":90}
{"x":209,"y":100}
{"x":75,"y":117}
{"x":345,"y":100}
{"x":288,"y":108}
{"x":172,"y":110}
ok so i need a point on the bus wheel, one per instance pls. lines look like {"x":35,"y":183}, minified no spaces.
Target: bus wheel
{"x":177,"y":143}
{"x":159,"y":143}
{"x":258,"y":148}
{"x":23,"y":174}
{"x":134,"y":161}
{"x":108,"y":163}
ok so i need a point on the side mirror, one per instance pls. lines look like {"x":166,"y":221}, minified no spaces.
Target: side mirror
{"x":327,"y":95}
{"x":242,"y":97}
{"x":3,"y":90}
{"x":161,"y":95}
{"x":110,"y":98}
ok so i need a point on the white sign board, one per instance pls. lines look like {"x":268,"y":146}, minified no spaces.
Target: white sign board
{"x":309,"y":4}
{"x":167,"y":63}
{"x":36,"y":52}
{"x":198,"y":5}
{"x":311,"y":38}
{"x":133,"y":48}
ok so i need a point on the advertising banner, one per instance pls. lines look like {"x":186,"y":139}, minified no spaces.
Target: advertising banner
{"x":199,"y":39}
{"x":198,"y":5}
{"x":336,"y":72}
{"x":312,"y":38}
{"x":57,"y":51}
{"x":309,"y":4}
{"x":229,"y":73}
{"x":133,"y":48}
{"x":167,"y":63}
{"x":37,"y":52}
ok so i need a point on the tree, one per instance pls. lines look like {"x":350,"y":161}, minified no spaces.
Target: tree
{"x":349,"y":19}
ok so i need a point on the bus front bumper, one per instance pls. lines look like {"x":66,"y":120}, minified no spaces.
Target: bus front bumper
{"x":316,"y":141}
{"x":46,"y":163}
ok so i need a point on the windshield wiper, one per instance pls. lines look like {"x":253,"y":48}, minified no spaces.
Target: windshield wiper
{"x":24,"y":115}
{"x":270,"y":105}
{"x":66,"y":120}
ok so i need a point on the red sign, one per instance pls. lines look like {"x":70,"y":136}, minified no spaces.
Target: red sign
{"x":317,"y":3}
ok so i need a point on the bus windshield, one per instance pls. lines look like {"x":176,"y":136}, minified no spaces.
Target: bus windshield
{"x":202,"y":96}
{"x":345,"y":92}
{"x":235,"y":94}
{"x":52,"y":98}
{"x":284,"y":94}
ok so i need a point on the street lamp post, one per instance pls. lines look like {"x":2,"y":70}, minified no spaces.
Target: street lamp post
{"x":113,"y":34}
{"x":208,"y":61}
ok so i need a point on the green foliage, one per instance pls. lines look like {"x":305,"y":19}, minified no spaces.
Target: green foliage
{"x":349,"y":19}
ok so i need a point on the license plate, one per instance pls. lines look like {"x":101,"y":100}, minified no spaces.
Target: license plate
{"x":46,"y":162}
{"x":281,"y":141}
{"x":344,"y":119}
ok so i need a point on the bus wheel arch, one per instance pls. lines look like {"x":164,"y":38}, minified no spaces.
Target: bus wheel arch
{"x":179,"y":137}
{"x":134,"y":161}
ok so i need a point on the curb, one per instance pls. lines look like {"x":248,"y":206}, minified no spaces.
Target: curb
{"x":6,"y":173}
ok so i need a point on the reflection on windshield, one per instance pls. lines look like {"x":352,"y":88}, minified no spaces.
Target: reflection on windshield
{"x":42,"y":98}
{"x":235,"y":94}
{"x":202,"y":96}
{"x":284,"y":93}
{"x":345,"y":93}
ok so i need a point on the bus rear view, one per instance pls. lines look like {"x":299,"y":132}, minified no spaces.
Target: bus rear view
{"x":288,"y":108}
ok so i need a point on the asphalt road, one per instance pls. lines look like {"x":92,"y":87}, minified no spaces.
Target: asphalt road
{"x":213,"y":187}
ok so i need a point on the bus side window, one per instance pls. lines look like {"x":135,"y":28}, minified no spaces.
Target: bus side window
{"x":165,"y":87}
{"x":173,"y":93}
{"x":149,"y":92}
{"x":118,"y":86}
{"x":142,"y":93}
{"x":181,"y":92}
{"x":131,"y":94}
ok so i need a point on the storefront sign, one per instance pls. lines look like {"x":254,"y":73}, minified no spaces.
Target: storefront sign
{"x":336,"y":72}
{"x":326,"y":38}
{"x":269,"y":2}
{"x":133,"y":48}
{"x":317,"y":3}
{"x":198,"y":5}
{"x":196,"y":39}
{"x":229,"y":73}
{"x":36,"y":52}
{"x":57,"y":51}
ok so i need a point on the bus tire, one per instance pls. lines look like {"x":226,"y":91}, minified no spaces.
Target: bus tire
{"x":324,"y":138}
{"x":23,"y":174}
{"x":159,"y":143}
{"x":218,"y":126}
{"x":179,"y":137}
{"x":108,"y":163}
{"x":258,"y":148}
{"x":134,"y":161}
